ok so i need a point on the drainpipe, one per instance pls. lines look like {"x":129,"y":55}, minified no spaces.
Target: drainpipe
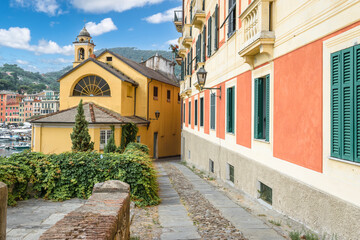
{"x":135,"y":101}
{"x":148,"y":87}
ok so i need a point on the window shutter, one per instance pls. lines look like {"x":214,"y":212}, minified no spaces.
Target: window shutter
{"x":191,"y":61}
{"x":267,"y":134}
{"x":189,"y":112}
{"x":347,"y":103}
{"x":196,"y":112}
{"x":228,"y":110}
{"x":233,"y":110}
{"x":335,"y":105}
{"x":258,"y":108}
{"x":212,"y":113}
{"x":209,"y":37}
{"x":216,"y":27}
{"x":357,"y":102}
{"x":201,"y":112}
{"x":203,"y":52}
{"x":182,"y":70}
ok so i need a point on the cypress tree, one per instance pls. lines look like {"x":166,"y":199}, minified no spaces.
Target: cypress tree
{"x":80,"y":137}
{"x":110,"y":145}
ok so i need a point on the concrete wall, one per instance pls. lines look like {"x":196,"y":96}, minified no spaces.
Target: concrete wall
{"x":3,"y":207}
{"x":313,"y":207}
{"x":105,"y":216}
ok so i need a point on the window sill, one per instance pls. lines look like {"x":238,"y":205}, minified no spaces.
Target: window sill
{"x":344,"y":161}
{"x":230,"y":133}
{"x":261,"y":140}
{"x":231,"y":35}
{"x":168,"y":100}
{"x":155,"y":98}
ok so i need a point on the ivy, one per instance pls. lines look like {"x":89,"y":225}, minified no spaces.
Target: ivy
{"x":128,"y":135}
{"x":73,"y":174}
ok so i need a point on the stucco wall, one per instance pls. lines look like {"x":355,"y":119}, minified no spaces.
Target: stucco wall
{"x":318,"y":210}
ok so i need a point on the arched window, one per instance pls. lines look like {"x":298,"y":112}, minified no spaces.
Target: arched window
{"x":81,"y":54}
{"x":91,"y":86}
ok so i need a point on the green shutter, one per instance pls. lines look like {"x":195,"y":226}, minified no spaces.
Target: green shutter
{"x":216,"y":27}
{"x":228,"y":110}
{"x":196,"y":112}
{"x":189,"y":112}
{"x":256,"y":107}
{"x":209,"y":37}
{"x":182,"y":70}
{"x":233,"y":110}
{"x":267,"y":134}
{"x":347,"y":88}
{"x":201,"y":112}
{"x":357,"y":102}
{"x":203,"y":52}
{"x":212,"y":111}
{"x":335,"y":105}
{"x":259,"y":108}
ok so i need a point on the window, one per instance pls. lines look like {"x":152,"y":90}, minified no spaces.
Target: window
{"x":179,"y":99}
{"x":211,"y":166}
{"x":231,"y":177}
{"x":201,"y":112}
{"x":231,"y":17}
{"x":155,"y":93}
{"x":345,"y":104}
{"x":104,"y":137}
{"x":262,"y":108}
{"x":265,"y":193}
{"x":91,"y":86}
{"x":168,"y":95}
{"x":196,"y":113}
{"x":184,"y":113}
{"x":212,"y":110}
{"x":209,"y":37}
{"x":138,"y":139}
{"x":108,"y":59}
{"x":189,"y":112}
{"x":230,"y":124}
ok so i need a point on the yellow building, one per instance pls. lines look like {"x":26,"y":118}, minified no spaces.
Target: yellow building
{"x":115,"y":91}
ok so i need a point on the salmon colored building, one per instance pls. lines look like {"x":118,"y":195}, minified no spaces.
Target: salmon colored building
{"x":282,"y":121}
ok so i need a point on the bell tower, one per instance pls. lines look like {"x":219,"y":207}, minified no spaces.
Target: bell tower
{"x":84,"y":47}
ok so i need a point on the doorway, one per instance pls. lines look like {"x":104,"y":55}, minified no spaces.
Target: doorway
{"x":156,"y":152}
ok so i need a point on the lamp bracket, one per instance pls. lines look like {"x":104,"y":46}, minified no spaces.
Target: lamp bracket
{"x":219,"y":88}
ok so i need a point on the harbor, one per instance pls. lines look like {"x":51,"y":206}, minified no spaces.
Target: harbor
{"x":14,"y":139}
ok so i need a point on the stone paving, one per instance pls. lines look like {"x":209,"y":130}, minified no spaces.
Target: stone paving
{"x":31,"y":218}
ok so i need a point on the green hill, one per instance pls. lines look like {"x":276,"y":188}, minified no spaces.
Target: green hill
{"x":13,"y":77}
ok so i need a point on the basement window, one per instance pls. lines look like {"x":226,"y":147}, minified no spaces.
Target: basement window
{"x":265,"y":193}
{"x":155,"y":93}
{"x":211,"y":166}
{"x":231,"y":172}
{"x":108,"y":59}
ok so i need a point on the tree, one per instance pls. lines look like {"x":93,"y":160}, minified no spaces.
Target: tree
{"x":80,"y":137}
{"x":128,"y":135}
{"x":110,"y":145}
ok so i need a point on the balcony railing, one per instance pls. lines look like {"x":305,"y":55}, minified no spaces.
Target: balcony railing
{"x":178,"y":20}
{"x":257,"y":37}
{"x":198,"y":16}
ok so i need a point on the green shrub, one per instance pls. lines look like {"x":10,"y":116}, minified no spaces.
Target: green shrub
{"x":137,"y":146}
{"x":73,"y":174}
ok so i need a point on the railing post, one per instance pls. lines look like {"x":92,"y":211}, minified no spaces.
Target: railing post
{"x":3,"y":208}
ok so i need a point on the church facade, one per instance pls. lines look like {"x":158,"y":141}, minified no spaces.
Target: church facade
{"x":115,"y":91}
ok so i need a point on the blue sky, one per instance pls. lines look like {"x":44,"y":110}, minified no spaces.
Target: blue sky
{"x":38,"y":34}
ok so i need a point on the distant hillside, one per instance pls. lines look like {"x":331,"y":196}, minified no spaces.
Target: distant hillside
{"x":13,"y":77}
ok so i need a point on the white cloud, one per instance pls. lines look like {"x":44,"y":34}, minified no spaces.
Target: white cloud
{"x":106,"y":25}
{"x":22,"y":62}
{"x":104,"y":6}
{"x":131,"y":29}
{"x":173,"y":42}
{"x":166,"y":16}
{"x":50,"y":7}
{"x":19,"y":38}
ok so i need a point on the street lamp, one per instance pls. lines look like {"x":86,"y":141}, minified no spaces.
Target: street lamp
{"x":201,"y":77}
{"x":157,"y":115}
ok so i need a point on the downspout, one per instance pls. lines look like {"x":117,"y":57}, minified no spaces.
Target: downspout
{"x":148,"y":87}
{"x":135,"y":101}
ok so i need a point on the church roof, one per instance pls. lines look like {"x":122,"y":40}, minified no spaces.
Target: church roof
{"x":84,"y":33}
{"x":94,"y":114}
{"x":105,"y":66}
{"x":147,"y":72}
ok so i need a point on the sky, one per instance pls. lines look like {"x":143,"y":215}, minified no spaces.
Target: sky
{"x":37,"y":35}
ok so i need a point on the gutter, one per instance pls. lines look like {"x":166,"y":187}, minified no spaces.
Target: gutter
{"x":148,"y":99}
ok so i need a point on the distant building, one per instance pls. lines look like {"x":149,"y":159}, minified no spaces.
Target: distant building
{"x":115,"y":91}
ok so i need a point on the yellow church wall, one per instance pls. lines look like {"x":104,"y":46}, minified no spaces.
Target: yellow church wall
{"x":141,"y":90}
{"x":90,"y":68}
{"x":127,"y":91}
{"x":60,"y":143}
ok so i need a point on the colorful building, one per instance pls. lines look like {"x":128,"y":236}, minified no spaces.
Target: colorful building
{"x":282,"y":119}
{"x":115,"y":91}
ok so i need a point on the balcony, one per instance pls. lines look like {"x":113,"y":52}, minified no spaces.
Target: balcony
{"x":198,"y":16}
{"x":182,"y":50}
{"x":178,"y":58}
{"x":256,"y":36}
{"x":186,"y":39}
{"x":178,"y":20}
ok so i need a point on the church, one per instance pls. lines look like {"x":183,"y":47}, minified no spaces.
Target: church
{"x":115,"y":91}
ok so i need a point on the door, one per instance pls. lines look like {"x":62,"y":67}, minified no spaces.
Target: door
{"x":156,"y":155}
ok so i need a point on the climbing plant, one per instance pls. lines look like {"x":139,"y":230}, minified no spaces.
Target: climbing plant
{"x":128,"y":135}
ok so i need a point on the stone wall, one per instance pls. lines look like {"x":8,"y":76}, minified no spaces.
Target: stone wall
{"x":105,"y":216}
{"x":3,"y":206}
